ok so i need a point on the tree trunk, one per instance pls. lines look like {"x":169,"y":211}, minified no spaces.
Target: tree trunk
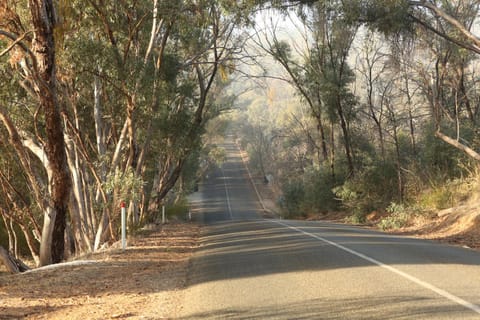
{"x":346,"y":138}
{"x":399,"y":166}
{"x":32,"y":245}
{"x":410,"y":118}
{"x":43,"y":48}
{"x":332,"y":152}
{"x":9,"y":232}
{"x":166,"y":178}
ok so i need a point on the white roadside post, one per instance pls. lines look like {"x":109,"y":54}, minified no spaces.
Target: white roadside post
{"x":163,"y":214}
{"x":124,"y":226}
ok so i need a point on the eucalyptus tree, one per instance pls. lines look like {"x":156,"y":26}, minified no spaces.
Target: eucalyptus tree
{"x":127,"y":89}
{"x":159,"y":67}
{"x":207,"y":43}
{"x":449,"y":84}
{"x":370,"y":65}
{"x":323,"y":76}
{"x":126,"y":41}
{"x":336,"y":38}
{"x":29,"y":40}
{"x":447,"y":28}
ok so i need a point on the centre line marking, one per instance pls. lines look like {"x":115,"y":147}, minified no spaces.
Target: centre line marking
{"x":226,"y":195}
{"x":419,"y":282}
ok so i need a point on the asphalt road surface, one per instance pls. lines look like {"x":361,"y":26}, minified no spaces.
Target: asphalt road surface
{"x":253,"y":268}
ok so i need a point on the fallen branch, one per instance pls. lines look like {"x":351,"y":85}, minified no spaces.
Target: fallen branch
{"x":13,"y":264}
{"x":63,"y":264}
{"x":469,"y":151}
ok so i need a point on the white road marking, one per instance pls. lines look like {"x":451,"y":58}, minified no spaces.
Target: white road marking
{"x":419,"y":282}
{"x":226,"y":195}
{"x":250,"y":177}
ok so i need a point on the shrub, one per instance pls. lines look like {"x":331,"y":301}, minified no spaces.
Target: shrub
{"x":293,"y":198}
{"x":318,"y":189}
{"x":356,"y":217}
{"x":398,"y":218}
{"x":448,"y":194}
{"x":371,"y":189}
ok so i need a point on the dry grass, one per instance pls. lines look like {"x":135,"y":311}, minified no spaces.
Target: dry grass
{"x":459,"y":225}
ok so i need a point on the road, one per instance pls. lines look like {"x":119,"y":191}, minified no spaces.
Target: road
{"x":253,"y":268}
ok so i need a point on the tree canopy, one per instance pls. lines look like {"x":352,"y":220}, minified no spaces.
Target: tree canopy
{"x":108,"y":102}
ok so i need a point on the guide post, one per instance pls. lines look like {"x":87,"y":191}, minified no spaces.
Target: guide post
{"x":124,"y":226}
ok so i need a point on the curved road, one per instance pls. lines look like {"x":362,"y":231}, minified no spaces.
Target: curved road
{"x":252,"y":268}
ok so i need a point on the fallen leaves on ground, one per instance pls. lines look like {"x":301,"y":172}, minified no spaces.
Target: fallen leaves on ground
{"x":142,"y":282}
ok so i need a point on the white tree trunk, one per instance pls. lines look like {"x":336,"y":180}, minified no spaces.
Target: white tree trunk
{"x":46,"y":240}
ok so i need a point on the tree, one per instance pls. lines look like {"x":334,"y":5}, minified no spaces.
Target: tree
{"x":448,"y":22}
{"x":324,"y":76}
{"x":41,"y":81}
{"x":126,"y":89}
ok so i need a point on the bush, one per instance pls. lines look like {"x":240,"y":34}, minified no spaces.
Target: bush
{"x":371,"y":189}
{"x":398,"y":218}
{"x":447,"y":194}
{"x":318,"y":189}
{"x":293,"y":198}
{"x":357,"y":217}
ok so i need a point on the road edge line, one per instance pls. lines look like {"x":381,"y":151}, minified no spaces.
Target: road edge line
{"x":405,"y":275}
{"x":260,"y":199}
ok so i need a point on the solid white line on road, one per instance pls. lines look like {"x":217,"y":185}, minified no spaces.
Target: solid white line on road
{"x":419,"y":282}
{"x":226,"y":195}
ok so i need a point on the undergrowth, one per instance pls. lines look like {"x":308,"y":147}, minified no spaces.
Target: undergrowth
{"x":398,"y":218}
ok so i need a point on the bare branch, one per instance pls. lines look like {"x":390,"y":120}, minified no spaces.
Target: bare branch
{"x":15,"y":42}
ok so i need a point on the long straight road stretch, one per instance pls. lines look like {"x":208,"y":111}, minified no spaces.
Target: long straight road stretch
{"x":252,"y":268}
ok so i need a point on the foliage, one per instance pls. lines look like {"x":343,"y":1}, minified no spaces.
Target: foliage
{"x":419,"y":83}
{"x":293,"y":198}
{"x":138,"y":94}
{"x":127,"y":185}
{"x":179,"y":209}
{"x":446,"y":194}
{"x":319,"y":196}
{"x":137,"y":84}
{"x":398,"y":218}
{"x":314,"y":193}
{"x":439,"y":158}
{"x":372,"y":188}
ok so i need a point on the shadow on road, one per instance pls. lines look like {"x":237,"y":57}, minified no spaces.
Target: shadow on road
{"x":262,"y":247}
{"x":404,"y":308}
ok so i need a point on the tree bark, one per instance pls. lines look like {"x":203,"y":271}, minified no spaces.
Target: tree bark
{"x":43,"y":48}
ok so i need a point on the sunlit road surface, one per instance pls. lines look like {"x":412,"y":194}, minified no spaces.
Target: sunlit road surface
{"x":252,"y":268}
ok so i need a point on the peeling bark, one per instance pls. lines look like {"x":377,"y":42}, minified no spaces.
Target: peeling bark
{"x":43,"y":48}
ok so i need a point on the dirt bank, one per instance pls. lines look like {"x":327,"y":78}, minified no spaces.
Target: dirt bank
{"x":143,"y":282}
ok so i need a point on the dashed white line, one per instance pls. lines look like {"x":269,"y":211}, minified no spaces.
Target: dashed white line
{"x":405,"y":275}
{"x":227,"y":195}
